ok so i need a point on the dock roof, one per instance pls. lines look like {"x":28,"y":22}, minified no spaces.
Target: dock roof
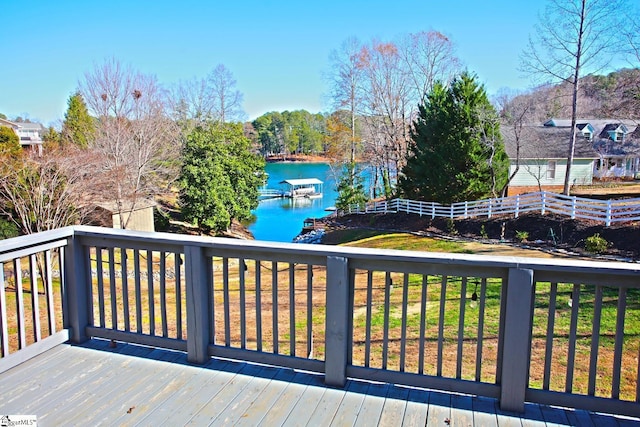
{"x":304,"y":181}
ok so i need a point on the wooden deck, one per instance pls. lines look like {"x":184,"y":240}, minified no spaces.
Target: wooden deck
{"x":94,"y":384}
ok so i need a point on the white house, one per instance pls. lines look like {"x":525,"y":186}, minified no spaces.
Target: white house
{"x":30,"y":134}
{"x":538,"y":158}
{"x":605,"y":148}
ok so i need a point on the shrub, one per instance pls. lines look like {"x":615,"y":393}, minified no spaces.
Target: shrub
{"x":451,"y":227}
{"x":596,"y":244}
{"x":160,"y":220}
{"x":522,"y":236}
{"x":483,"y":232}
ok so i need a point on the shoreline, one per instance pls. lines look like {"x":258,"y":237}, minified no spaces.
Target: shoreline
{"x":296,"y":158}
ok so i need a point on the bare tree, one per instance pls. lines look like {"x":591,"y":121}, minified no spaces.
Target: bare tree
{"x":573,"y":37}
{"x":428,"y":56}
{"x":387,"y":105}
{"x":346,"y":80}
{"x":135,"y":146}
{"x":42,"y":193}
{"x":214,"y":97}
{"x":516,"y":114}
{"x":227,"y":99}
{"x":191,"y":101}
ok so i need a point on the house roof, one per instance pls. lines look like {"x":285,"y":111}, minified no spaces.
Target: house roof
{"x":552,"y":141}
{"x":21,"y":125}
{"x":539,"y":142}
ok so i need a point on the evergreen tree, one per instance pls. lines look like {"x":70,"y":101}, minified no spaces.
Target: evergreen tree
{"x":350,"y":187}
{"x":220,"y":177}
{"x":9,"y":143}
{"x":78,"y":126}
{"x":456,"y":152}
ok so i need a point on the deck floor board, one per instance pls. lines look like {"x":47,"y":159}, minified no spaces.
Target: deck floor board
{"x":94,"y":384}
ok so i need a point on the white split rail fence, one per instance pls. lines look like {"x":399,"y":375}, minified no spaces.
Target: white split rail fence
{"x":607,"y":211}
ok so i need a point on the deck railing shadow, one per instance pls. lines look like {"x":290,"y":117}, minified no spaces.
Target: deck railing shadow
{"x":519,"y":330}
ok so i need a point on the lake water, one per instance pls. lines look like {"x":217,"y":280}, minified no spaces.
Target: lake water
{"x":280,"y":220}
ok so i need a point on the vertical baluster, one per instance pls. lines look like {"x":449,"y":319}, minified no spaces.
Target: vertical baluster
{"x":163,"y":293}
{"x":638,"y":378}
{"x":17,"y":276}
{"x":138,"y":290}
{"x":617,"y":353}
{"x":443,"y":300}
{"x":548,"y":350}
{"x":274,"y":310}
{"x":4,"y":329}
{"x":423,"y":323}
{"x":403,"y":333}
{"x":225,"y":291}
{"x":573,"y":328}
{"x":367,"y":340}
{"x":385,"y":339}
{"x":595,"y":340}
{"x":177,"y":262}
{"x":258,"y":306}
{"x":99,"y":273}
{"x":483,"y":301}
{"x":124,"y":279}
{"x":463,"y":303}
{"x":309,"y":311}
{"x":292,"y":309}
{"x":112,"y":289}
{"x":48,"y":289}
{"x":151,"y":293}
{"x":35,"y":306}
{"x":63,"y":286}
{"x":209,"y":266}
{"x":242,"y":267}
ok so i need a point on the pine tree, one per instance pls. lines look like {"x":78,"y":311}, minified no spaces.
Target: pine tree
{"x":456,"y":152}
{"x":78,"y":127}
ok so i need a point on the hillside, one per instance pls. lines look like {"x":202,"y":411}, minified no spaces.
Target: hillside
{"x":615,"y":95}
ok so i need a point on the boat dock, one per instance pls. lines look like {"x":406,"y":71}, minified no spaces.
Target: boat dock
{"x":310,"y":188}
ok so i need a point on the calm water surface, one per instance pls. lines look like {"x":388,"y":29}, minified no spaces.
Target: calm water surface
{"x":280,"y":220}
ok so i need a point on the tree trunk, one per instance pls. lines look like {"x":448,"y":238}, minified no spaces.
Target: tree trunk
{"x":574,"y":105}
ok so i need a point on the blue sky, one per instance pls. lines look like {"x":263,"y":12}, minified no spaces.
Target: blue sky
{"x":276,"y":50}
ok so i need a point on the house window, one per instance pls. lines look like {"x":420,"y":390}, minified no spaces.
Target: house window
{"x":551,"y":169}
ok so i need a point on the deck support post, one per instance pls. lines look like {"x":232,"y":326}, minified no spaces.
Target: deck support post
{"x":517,"y":340}
{"x":198,"y":280}
{"x":337,"y":321}
{"x":77,"y":282}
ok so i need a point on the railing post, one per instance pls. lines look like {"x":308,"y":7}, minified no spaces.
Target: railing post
{"x":466,"y":209}
{"x":433,"y":210}
{"x":77,"y":281}
{"x":607,"y":220}
{"x":489,"y":212}
{"x":517,"y":342}
{"x":337,"y":321}
{"x":198,"y":279}
{"x":573,"y":207}
{"x":517,"y":206}
{"x":543,"y":209}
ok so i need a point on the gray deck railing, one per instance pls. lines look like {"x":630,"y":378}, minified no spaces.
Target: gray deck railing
{"x":607,"y":211}
{"x":518,"y":329}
